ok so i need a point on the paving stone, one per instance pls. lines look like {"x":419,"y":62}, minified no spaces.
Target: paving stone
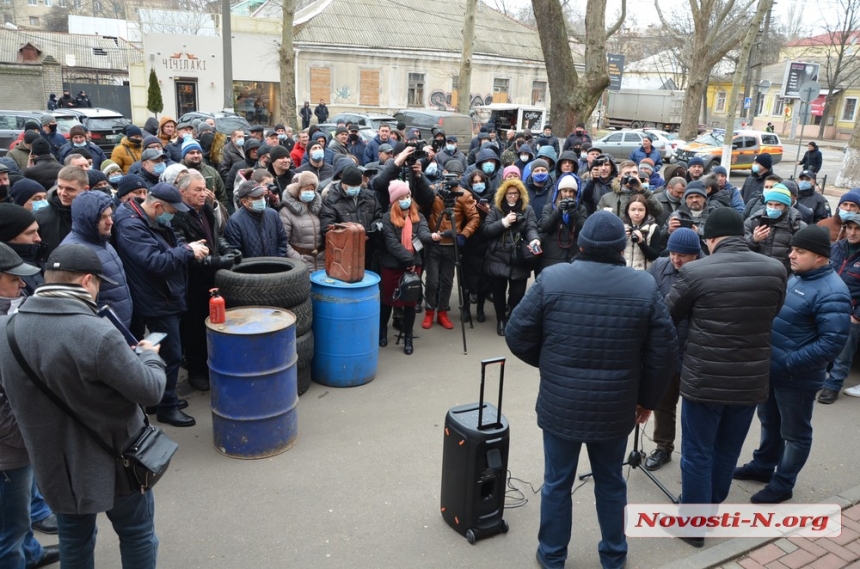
{"x":847,"y":536}
{"x":809,"y":546}
{"x":776,"y":565}
{"x":852,"y":512}
{"x":839,"y":550}
{"x":748,"y":563}
{"x":766,"y":554}
{"x":800,"y":558}
{"x":785,"y":545}
{"x":829,"y":561}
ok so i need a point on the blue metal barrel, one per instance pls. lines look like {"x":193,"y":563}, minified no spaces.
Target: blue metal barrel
{"x":252,"y":373}
{"x":346,"y":330}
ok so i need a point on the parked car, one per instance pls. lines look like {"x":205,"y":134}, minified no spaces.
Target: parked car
{"x":426,"y":119}
{"x":746,"y":144}
{"x":12,"y":125}
{"x":366,"y":134}
{"x":225,"y":122}
{"x":622,"y":142}
{"x":366,"y":120}
{"x":106,"y":127}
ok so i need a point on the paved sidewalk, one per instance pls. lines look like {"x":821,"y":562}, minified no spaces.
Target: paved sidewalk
{"x":821,"y":553}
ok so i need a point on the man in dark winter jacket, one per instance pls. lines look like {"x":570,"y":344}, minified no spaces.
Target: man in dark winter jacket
{"x":192,"y":158}
{"x":20,"y":231}
{"x":647,"y":150}
{"x":598,"y":181}
{"x":540,"y":186}
{"x":306,"y":115}
{"x":670,"y":198}
{"x":769,"y":230}
{"x":67,"y":101}
{"x":77,"y":141}
{"x":683,"y":247}
{"x":810,"y":330}
{"x":316,"y":162}
{"x":55,"y":220}
{"x":550,"y":139}
{"x":45,"y":167}
{"x":577,"y":138}
{"x":49,"y":133}
{"x":450,"y":151}
{"x":753,"y":187}
{"x":92,"y":220}
{"x":730,"y":299}
{"x":422,"y":193}
{"x":371,"y":152}
{"x":255,"y":230}
{"x":348,"y":202}
{"x":321,"y":112}
{"x":812,"y":158}
{"x":155,"y":261}
{"x":552,"y":328}
{"x":810,"y":198}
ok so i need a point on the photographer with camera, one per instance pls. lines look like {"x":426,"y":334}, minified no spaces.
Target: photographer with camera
{"x":440,"y":257}
{"x":511,"y":226}
{"x":598,"y":181}
{"x":644,"y":241}
{"x":628,"y":185}
{"x":692,"y":213}
{"x":562,"y":219}
{"x":405,"y":167}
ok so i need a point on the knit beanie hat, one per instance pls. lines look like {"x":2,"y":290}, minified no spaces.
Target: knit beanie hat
{"x":454,"y":166}
{"x":109,"y":167}
{"x":264,"y":150}
{"x":151,"y":139}
{"x":765,"y":160}
{"x":203,"y":127}
{"x":397,"y":190}
{"x":695,"y":187}
{"x":40,"y":147}
{"x":510,"y":170}
{"x":96,"y":177}
{"x":647,"y":164}
{"x":24,"y":189}
{"x":351,"y":176}
{"x":31,"y":136}
{"x":792,"y":187}
{"x":277,"y":153}
{"x":696,"y":161}
{"x":171,"y":173}
{"x":778,"y":193}
{"x":567,"y":183}
{"x":724,"y":222}
{"x":603,"y":231}
{"x":853,"y":197}
{"x":190,"y":145}
{"x":77,"y":130}
{"x":540,"y":163}
{"x":47,"y":119}
{"x":813,"y":238}
{"x":133,"y":131}
{"x":14,"y":219}
{"x":684,"y":241}
{"x":720,"y":170}
{"x":128,"y":184}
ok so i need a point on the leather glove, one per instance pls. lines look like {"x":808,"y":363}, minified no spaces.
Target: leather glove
{"x":236,"y":255}
{"x":461,"y":240}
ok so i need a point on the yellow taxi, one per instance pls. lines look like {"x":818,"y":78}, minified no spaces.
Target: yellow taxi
{"x":746,"y":145}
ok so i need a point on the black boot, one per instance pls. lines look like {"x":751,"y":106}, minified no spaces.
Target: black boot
{"x":407,"y":344}
{"x":466,"y":312}
{"x":383,"y":336}
{"x":500,"y":327}
{"x":480,"y":309}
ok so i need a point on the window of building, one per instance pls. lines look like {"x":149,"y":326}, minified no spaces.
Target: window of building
{"x":320,"y":85}
{"x":500,"y":90}
{"x":720,"y":106}
{"x":33,"y":2}
{"x":97,"y":6}
{"x":34,"y":21}
{"x":415,"y":94}
{"x":47,"y":3}
{"x":455,"y":91}
{"x":538,"y":92}
{"x":62,"y":4}
{"x":79,"y":4}
{"x":368,"y":87}
{"x":778,"y":106}
{"x":759,"y":109}
{"x":257,"y":101}
{"x":849,"y":109}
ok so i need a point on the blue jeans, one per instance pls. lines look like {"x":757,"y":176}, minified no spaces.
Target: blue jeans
{"x":39,"y":510}
{"x":171,"y":353}
{"x":842,"y":363}
{"x":18,"y":545}
{"x":556,"y":507}
{"x":133,"y":521}
{"x":786,"y":435}
{"x":711,"y":440}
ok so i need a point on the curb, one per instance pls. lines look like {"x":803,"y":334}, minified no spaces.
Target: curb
{"x":732,"y":549}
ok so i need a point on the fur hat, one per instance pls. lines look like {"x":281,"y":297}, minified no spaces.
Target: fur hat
{"x":301,"y":180}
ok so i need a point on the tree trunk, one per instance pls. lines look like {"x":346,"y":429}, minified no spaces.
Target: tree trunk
{"x":288,"y":66}
{"x":464,"y":86}
{"x":828,"y":102}
{"x":849,"y":175}
{"x":573,"y":100}
{"x":692,"y":103}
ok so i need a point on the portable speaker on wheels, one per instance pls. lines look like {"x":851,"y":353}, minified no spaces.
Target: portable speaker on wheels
{"x":475,"y":465}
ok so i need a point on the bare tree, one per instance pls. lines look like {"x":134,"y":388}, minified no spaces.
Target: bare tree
{"x":574,"y":97}
{"x":849,"y":174}
{"x":287,"y":56}
{"x":837,"y":46}
{"x":193,"y":23}
{"x":718,"y":26}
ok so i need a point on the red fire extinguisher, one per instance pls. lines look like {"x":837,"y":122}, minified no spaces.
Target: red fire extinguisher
{"x":217,"y":307}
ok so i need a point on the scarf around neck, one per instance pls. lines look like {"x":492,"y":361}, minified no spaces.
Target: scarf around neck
{"x":73,"y":291}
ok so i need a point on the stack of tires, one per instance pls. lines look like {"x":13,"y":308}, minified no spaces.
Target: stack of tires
{"x":278,"y":282}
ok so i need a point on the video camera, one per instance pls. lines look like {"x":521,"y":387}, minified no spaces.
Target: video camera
{"x":419,"y":153}
{"x":630,"y":180}
{"x":448,"y":189}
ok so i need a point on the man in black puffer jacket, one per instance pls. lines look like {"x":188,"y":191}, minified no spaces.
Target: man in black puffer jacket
{"x":592,"y":390}
{"x":731,"y":299}
{"x":348,"y":202}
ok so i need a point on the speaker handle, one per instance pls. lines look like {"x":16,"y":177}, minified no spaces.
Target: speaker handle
{"x":484,"y":364}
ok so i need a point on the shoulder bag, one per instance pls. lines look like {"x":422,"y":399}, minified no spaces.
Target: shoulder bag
{"x":408,"y":288}
{"x":146,"y":456}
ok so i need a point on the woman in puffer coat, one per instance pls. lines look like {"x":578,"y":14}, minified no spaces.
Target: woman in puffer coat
{"x":475,"y":281}
{"x":300,"y":210}
{"x":561,"y":223}
{"x":402,"y":226}
{"x":644,"y":238}
{"x":510,"y":224}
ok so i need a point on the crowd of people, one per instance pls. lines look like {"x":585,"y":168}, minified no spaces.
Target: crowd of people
{"x":145,"y":230}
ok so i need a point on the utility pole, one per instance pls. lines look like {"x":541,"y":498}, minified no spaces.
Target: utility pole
{"x":757,"y":73}
{"x":227,"y":48}
{"x":464,"y":87}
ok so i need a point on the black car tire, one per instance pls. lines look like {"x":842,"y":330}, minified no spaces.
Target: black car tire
{"x":305,"y":353}
{"x":265,"y":281}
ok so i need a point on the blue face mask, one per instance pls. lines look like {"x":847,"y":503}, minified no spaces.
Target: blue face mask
{"x":258,"y":205}
{"x":39,"y":204}
{"x":164,"y":218}
{"x":451,"y":148}
{"x":848,"y":215}
{"x":352,"y":192}
{"x":479,"y":188}
{"x":431,"y":169}
{"x":773,"y":213}
{"x":488,"y":167}
{"x":307,"y":196}
{"x":540,"y":177}
{"x":318,"y":155}
{"x":804,"y":184}
{"x":282,"y":137}
{"x":79,"y":144}
{"x":115,"y":179}
{"x":159,"y":169}
{"x":755,"y":168}
{"x":239,"y":143}
{"x":405,"y":203}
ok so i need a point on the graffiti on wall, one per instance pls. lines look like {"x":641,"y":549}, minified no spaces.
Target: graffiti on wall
{"x":343,"y":94}
{"x":441,"y":100}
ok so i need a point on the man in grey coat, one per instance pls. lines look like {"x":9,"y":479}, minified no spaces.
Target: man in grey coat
{"x":90,"y":366}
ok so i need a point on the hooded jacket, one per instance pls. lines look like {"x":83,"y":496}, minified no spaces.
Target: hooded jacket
{"x":730,"y":299}
{"x":810,"y":330}
{"x":502,"y":240}
{"x":539,"y":196}
{"x":596,"y":188}
{"x":778,"y":242}
{"x":154,"y":259}
{"x":124,"y":154}
{"x":494,"y":179}
{"x":847,"y":266}
{"x":567,"y":155}
{"x":304,"y":233}
{"x":165,"y":140}
{"x":150,"y":127}
{"x":20,"y":155}
{"x":558,"y":231}
{"x":87,"y":208}
{"x":519,"y":163}
{"x":547,"y":153}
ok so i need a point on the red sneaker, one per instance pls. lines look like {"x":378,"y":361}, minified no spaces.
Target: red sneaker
{"x":428,"y":319}
{"x":442,"y":319}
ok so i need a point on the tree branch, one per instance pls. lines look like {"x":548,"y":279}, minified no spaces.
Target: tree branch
{"x":620,"y":21}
